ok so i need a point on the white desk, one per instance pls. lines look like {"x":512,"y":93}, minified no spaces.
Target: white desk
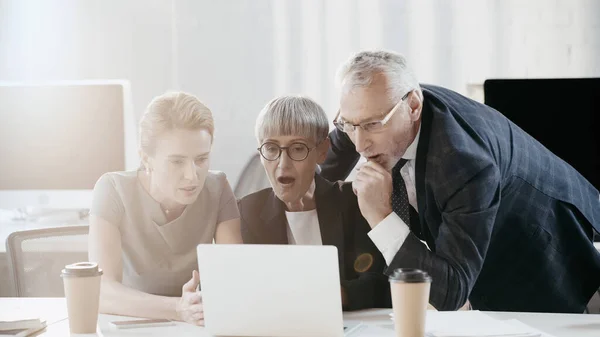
{"x":559,"y":325}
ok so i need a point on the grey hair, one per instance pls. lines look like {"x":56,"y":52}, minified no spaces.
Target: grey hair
{"x":292,"y":116}
{"x":360,"y":68}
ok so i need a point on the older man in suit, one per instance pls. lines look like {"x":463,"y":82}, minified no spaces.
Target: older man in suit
{"x":454,"y":188}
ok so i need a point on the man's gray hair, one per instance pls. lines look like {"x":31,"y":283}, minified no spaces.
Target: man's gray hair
{"x":292,"y":116}
{"x":360,"y":68}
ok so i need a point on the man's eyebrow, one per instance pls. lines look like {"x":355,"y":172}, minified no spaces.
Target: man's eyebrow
{"x":366,"y":120}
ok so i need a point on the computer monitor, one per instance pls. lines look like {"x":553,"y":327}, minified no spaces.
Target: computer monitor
{"x":562,"y":114}
{"x":57,"y":139}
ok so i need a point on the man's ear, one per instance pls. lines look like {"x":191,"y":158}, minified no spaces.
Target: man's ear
{"x":415,"y":103}
{"x":322,"y":150}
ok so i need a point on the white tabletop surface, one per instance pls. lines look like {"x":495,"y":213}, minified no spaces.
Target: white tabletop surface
{"x":54,"y":310}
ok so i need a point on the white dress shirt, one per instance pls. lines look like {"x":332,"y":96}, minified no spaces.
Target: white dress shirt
{"x":303,"y":228}
{"x":389,"y":235}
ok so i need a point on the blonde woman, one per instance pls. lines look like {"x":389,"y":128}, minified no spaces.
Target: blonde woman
{"x":145,"y":224}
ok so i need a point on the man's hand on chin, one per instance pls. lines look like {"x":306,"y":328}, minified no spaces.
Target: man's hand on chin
{"x":373,"y":187}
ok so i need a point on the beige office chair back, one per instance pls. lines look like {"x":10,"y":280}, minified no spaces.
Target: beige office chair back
{"x":252,"y":179}
{"x":36,"y":258}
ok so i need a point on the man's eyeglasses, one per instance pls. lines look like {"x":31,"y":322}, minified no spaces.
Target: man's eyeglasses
{"x":296,"y":151}
{"x":370,"y":126}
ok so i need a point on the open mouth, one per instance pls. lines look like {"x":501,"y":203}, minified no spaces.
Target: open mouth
{"x":284,"y":180}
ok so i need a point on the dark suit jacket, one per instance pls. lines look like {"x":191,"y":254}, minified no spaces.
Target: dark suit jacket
{"x":509,"y":224}
{"x":264,"y":222}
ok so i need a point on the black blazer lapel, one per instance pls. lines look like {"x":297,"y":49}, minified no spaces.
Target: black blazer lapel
{"x":329,"y":213}
{"x":420,"y":166}
{"x":274,"y":224}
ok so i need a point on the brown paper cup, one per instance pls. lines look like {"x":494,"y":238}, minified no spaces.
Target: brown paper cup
{"x":82,"y":292}
{"x":410,"y":296}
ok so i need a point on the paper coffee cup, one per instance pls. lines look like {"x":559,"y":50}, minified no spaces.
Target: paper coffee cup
{"x":82,"y":292}
{"x":410,"y":296}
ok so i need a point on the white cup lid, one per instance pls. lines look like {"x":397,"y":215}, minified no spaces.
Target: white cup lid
{"x":81,"y":269}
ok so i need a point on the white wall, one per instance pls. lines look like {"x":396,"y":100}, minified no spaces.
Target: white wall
{"x":235,"y":55}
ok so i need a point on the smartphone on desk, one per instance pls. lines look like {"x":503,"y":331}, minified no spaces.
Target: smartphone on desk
{"x":141,"y":323}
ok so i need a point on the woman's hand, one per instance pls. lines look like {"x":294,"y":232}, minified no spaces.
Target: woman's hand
{"x":189,"y":307}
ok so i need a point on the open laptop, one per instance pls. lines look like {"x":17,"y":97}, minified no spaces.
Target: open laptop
{"x":271,"y":290}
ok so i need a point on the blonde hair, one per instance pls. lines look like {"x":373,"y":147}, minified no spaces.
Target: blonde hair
{"x":292,"y":116}
{"x":173,"y":110}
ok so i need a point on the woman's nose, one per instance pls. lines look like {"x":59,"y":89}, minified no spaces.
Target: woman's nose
{"x":190,"y":173}
{"x":284,"y":159}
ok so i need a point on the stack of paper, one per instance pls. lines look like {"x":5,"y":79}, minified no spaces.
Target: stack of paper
{"x":17,"y":318}
{"x":366,"y":330}
{"x":517,"y":323}
{"x":20,"y":327}
{"x":473,"y":324}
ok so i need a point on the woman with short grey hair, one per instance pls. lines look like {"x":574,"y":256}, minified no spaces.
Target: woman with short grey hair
{"x":303,"y":208}
{"x":292,"y":115}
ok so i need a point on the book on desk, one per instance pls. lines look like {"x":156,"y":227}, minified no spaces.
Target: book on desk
{"x":21,"y":327}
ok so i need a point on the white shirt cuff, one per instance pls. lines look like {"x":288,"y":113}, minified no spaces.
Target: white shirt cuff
{"x":389,"y":235}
